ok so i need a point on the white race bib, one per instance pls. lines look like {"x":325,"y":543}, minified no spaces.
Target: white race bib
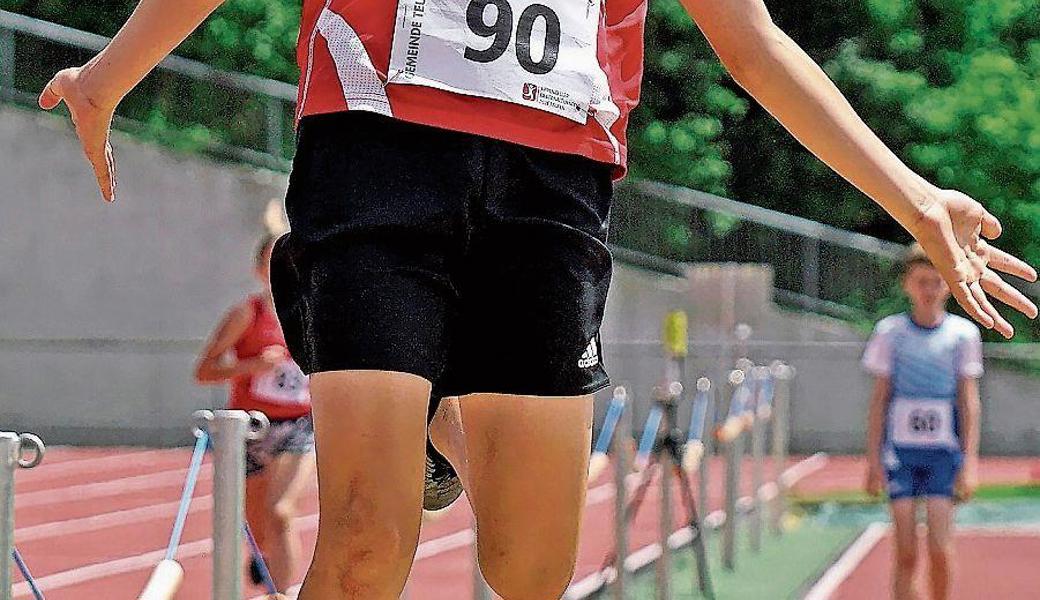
{"x":536,"y":53}
{"x":284,"y":384}
{"x":922,"y":423}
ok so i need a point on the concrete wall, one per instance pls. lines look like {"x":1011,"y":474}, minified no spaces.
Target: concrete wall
{"x":161,"y":263}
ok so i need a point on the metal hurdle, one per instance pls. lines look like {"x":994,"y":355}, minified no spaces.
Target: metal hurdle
{"x":760,"y":416}
{"x":229,"y":430}
{"x":731,"y":436}
{"x":14,"y":454}
{"x":620,"y":440}
{"x":758,"y":403}
{"x":783,"y":378}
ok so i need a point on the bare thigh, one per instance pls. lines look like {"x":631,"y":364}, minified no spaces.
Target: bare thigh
{"x":370,"y":432}
{"x":289,"y":475}
{"x":527,"y":469}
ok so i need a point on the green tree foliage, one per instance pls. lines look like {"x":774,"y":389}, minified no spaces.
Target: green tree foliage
{"x":251,"y":36}
{"x":951,"y":85}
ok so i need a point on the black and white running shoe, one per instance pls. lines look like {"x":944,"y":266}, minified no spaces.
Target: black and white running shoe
{"x":442,"y":482}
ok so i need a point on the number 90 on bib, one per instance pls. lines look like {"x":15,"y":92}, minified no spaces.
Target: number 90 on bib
{"x":535,"y":53}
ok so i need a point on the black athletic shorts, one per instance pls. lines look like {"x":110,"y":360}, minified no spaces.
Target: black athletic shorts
{"x":477,"y":264}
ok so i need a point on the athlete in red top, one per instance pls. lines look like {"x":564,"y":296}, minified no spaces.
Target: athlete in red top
{"x":280,"y":391}
{"x":248,"y":350}
{"x":448,"y":203}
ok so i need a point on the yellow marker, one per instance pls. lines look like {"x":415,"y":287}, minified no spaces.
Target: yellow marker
{"x":674,"y":333}
{"x":692,"y":455}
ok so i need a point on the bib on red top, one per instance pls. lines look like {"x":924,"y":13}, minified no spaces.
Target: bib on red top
{"x":559,"y":75}
{"x":283,"y":392}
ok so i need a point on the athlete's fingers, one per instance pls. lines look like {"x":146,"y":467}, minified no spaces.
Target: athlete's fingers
{"x":1010,"y":264}
{"x":51,"y":95}
{"x":110,"y":158}
{"x":964,"y":297}
{"x":999,"y":322}
{"x":99,"y":153}
{"x":991,"y":227}
{"x":1006,"y":293}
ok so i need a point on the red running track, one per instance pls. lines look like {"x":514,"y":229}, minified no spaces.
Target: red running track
{"x":92,"y":523}
{"x":999,"y":564}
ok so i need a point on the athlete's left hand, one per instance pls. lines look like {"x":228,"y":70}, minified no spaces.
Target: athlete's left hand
{"x":967,"y":482}
{"x":93,"y":120}
{"x":953,"y":231}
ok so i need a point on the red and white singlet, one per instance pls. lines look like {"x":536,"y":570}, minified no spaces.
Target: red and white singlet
{"x":559,"y":75}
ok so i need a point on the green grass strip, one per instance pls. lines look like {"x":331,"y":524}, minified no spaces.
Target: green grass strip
{"x":851,"y":497}
{"x":785,"y":567}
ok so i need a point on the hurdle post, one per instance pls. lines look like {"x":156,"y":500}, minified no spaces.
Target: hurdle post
{"x":708,"y":441}
{"x":663,"y":565}
{"x":760,"y":416}
{"x":734,"y":455}
{"x":13,"y":449}
{"x":620,"y":443}
{"x":229,"y":430}
{"x":8,"y":462}
{"x":782,"y":376}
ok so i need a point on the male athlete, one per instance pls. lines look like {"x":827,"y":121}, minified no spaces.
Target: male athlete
{"x":448,"y":205}
{"x":923,"y":432}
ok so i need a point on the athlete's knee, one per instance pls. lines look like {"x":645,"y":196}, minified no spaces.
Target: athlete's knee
{"x":906,"y":557}
{"x":940,"y":551}
{"x":534,"y":575}
{"x":280,"y":515}
{"x":362,"y":560}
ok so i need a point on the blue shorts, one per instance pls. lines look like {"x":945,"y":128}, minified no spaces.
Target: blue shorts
{"x":921,"y":473}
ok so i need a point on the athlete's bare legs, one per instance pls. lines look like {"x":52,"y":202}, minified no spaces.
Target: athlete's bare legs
{"x":904,"y":558}
{"x":525,"y":478}
{"x":370,"y":431}
{"x":940,"y":546}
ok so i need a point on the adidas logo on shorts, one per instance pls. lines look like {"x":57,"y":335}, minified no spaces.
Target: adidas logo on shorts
{"x":589,"y":358}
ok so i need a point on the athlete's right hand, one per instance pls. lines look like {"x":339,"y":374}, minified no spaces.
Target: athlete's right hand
{"x":953,"y":230}
{"x":268,"y":359}
{"x":274,"y":355}
{"x":93,"y":120}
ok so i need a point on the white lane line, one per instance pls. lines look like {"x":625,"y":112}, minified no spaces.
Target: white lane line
{"x":110,"y":519}
{"x":80,"y":466}
{"x":832,"y":579}
{"x":102,"y":489}
{"x":109,"y":568}
{"x":147,"y":560}
{"x":803,"y":469}
{"x":459,"y":539}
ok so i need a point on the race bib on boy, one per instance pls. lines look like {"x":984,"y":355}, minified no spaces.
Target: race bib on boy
{"x":922,"y":423}
{"x":284,"y":384}
{"x":535,"y":53}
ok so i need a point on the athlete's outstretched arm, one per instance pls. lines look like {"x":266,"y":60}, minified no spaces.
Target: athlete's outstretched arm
{"x":93,"y":91}
{"x":794,"y":89}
